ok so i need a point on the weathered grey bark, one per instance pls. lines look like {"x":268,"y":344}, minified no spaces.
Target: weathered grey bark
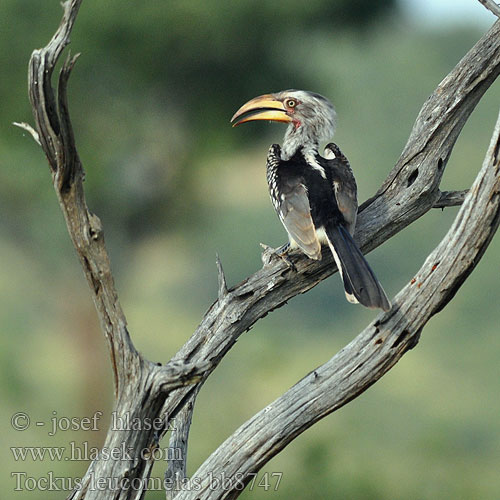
{"x":147,"y":392}
{"x":491,"y":6}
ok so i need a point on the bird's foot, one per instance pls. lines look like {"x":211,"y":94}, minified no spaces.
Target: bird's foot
{"x":281,"y":252}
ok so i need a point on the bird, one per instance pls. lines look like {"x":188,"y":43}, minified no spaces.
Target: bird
{"x":315,"y":196}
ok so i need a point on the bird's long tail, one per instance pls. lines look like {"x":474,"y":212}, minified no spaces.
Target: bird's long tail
{"x":360,"y":283}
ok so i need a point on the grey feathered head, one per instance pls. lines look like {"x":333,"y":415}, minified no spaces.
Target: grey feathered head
{"x":311,"y":117}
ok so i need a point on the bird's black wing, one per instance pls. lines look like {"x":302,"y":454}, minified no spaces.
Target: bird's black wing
{"x":360,"y":283}
{"x":344,"y":184}
{"x":290,"y":199}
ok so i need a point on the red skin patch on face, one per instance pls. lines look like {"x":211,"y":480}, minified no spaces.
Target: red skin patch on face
{"x":296,"y":124}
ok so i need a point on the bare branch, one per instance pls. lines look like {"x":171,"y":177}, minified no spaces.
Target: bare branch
{"x":56,"y":137}
{"x":140,"y":386}
{"x":491,"y":6}
{"x":42,"y":98}
{"x":177,"y":374}
{"x":412,"y":187}
{"x":176,"y":471}
{"x":450,"y":199}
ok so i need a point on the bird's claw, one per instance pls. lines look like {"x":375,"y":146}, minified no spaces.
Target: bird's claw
{"x":270,"y":253}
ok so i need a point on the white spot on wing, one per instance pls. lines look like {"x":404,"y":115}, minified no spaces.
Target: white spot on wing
{"x":329,"y":154}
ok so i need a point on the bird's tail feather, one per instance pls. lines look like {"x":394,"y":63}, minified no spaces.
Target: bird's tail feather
{"x":360,"y":283}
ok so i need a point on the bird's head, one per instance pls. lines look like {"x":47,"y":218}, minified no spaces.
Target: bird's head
{"x":311,"y":117}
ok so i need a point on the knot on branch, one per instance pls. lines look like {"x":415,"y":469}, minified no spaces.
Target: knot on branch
{"x":95,"y":227}
{"x":176,"y":374}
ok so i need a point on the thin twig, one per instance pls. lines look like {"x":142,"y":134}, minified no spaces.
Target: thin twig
{"x":30,"y":129}
{"x":221,"y":279}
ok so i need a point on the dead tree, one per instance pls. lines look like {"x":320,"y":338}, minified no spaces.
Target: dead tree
{"x":163,"y":393}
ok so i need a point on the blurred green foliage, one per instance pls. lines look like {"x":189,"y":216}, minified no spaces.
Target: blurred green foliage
{"x":179,"y":67}
{"x":151,"y":97}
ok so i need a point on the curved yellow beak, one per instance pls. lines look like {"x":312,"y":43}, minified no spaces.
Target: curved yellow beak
{"x":264,"y":107}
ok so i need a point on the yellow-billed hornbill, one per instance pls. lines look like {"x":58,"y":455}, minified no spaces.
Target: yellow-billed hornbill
{"x":314,"y":196}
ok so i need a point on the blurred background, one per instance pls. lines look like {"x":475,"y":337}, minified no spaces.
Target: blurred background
{"x":151,"y":98}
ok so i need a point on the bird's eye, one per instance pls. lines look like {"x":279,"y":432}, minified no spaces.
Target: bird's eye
{"x":291,"y":103}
